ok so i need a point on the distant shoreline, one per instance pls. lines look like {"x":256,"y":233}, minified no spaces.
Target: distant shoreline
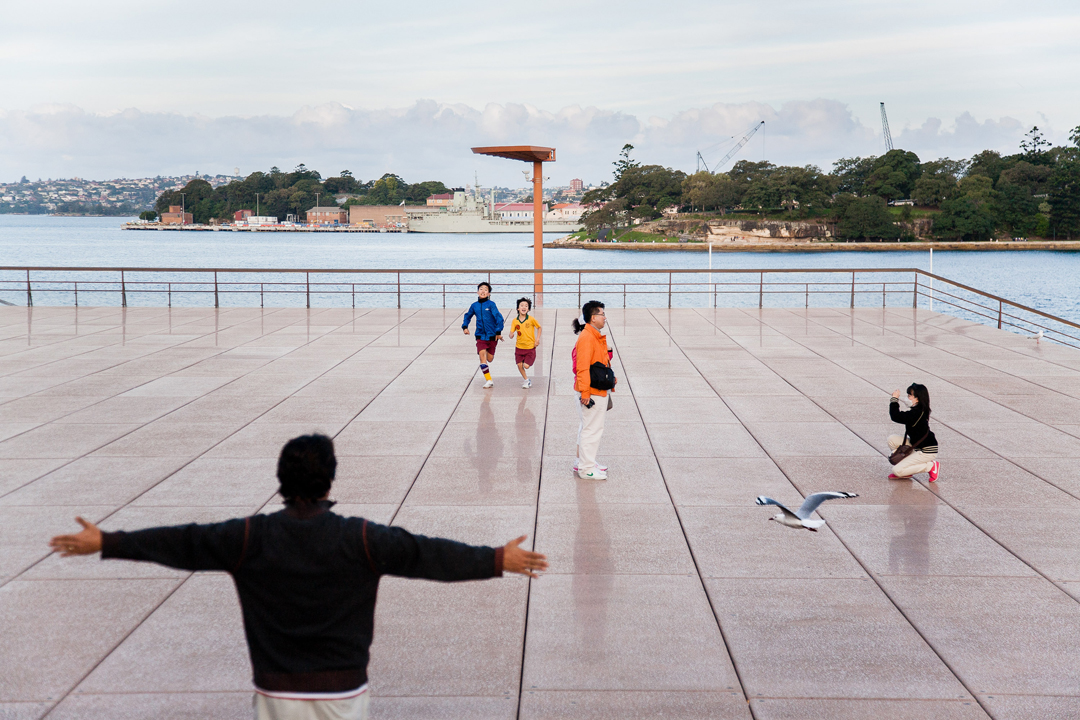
{"x":789,"y":247}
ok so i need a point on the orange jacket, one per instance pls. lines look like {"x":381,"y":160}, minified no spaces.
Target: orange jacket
{"x":591,"y":348}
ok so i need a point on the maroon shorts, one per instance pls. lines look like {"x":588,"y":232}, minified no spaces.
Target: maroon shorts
{"x":488,"y":345}
{"x":528,"y":357}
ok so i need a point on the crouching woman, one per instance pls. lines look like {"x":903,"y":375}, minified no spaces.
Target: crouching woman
{"x":917,"y":434}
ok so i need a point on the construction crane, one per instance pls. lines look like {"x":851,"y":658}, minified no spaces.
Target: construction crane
{"x":731,"y":153}
{"x":885,"y":129}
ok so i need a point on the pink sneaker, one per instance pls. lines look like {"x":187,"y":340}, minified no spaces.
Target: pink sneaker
{"x":895,"y":477}
{"x":601,"y":468}
{"x":934,"y":472}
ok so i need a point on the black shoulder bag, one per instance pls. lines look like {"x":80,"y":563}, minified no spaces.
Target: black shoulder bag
{"x":904,"y":450}
{"x":601,"y":376}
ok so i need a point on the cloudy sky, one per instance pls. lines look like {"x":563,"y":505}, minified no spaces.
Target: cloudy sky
{"x":129,"y":88}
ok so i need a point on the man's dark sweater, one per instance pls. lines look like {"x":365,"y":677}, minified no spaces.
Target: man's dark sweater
{"x":307,"y":580}
{"x":917,"y":423}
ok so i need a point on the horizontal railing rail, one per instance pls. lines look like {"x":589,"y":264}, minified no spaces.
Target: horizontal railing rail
{"x":647,"y":284}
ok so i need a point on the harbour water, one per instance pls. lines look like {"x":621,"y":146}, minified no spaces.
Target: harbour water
{"x":1048,"y":281}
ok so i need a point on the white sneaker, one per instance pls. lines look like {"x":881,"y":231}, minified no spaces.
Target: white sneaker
{"x":527,"y":384}
{"x":601,"y":468}
{"x":596,"y":474}
{"x":489,"y":384}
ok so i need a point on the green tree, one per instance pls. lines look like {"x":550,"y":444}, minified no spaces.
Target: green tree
{"x":1064,"y":196}
{"x":421,"y":191}
{"x":894,"y":175}
{"x":189,"y":196}
{"x":705,"y":191}
{"x":938,"y":181}
{"x":964,"y":218}
{"x":1034,"y":142}
{"x":867,"y":218}
{"x":149,"y":215}
{"x":988,"y":163}
{"x":624,"y":163}
{"x":851,"y":173}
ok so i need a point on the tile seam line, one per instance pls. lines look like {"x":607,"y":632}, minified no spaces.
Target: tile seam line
{"x":955,"y":508}
{"x":536,"y":511}
{"x":927,"y":372}
{"x":678,"y":517}
{"x":122,"y":342}
{"x":140,"y":425}
{"x":119,"y":365}
{"x":457,"y":404}
{"x":854,"y":557}
{"x":977,"y":362}
{"x":113,"y":649}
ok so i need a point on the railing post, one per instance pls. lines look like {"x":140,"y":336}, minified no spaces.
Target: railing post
{"x":579,"y":289}
{"x":262,"y":302}
{"x":170,"y":294}
{"x":307,"y":289}
{"x":29,"y":294}
{"x":669,"y":291}
{"x":624,"y":296}
{"x":999,"y":314}
{"x":852,"y":290}
{"x":123,"y":290}
{"x":353,"y":285}
{"x":882,"y":295}
{"x":215,"y":289}
{"x":761,"y":290}
{"x":399,"y":290}
{"x":915,"y":293}
{"x":444,"y":296}
{"x":807,"y":306}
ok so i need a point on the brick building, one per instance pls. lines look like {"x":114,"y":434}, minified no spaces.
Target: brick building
{"x":378,"y":216}
{"x":327,"y":216}
{"x":176,"y":216}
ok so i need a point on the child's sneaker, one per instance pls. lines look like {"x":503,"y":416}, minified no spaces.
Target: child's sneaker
{"x":527,"y":384}
{"x":895,"y":477}
{"x":934,"y":472}
{"x":596,"y":474}
{"x":601,"y":468}
{"x":489,"y":384}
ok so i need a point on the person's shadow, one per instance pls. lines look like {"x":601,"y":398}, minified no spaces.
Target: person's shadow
{"x":487,"y":449}
{"x":593,"y":577}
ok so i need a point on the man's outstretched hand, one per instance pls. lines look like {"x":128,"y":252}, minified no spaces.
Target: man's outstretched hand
{"x":518,"y":560}
{"x":85,"y":542}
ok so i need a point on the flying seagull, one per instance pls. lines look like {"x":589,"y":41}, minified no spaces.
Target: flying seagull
{"x":801,"y":517}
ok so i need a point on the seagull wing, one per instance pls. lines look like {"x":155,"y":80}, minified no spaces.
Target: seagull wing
{"x":762,"y":500}
{"x":810,"y":504}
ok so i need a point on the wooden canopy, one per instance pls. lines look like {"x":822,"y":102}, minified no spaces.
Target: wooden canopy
{"x":528,"y":153}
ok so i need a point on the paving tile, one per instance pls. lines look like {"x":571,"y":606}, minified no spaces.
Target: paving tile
{"x":826,"y":638}
{"x":43,"y":624}
{"x":161,"y":706}
{"x":96,"y":480}
{"x":608,"y":705}
{"x":931,"y":539}
{"x":1016,"y":440}
{"x":38,"y":409}
{"x":216,"y":481}
{"x":477,"y":480}
{"x":193,"y":642}
{"x":631,"y":479}
{"x":768,"y":408}
{"x":788,"y":439}
{"x":373,"y":479}
{"x":1031,"y":707}
{"x":619,"y":438}
{"x":999,"y":634}
{"x":266,"y":440}
{"x":16,"y":472}
{"x":590,"y":537}
{"x":616,"y":632}
{"x":713,"y":440}
{"x":726,"y":481}
{"x":489,"y":441}
{"x":178,"y":386}
{"x":1043,"y":537}
{"x":66,"y":441}
{"x":475,"y":707}
{"x":702,"y":409}
{"x":1061,"y":472}
{"x":388,"y":438}
{"x":160,"y":438}
{"x":842,"y":709}
{"x":996,"y":483}
{"x":743,"y":542}
{"x":24,"y":711}
{"x":866,"y":476}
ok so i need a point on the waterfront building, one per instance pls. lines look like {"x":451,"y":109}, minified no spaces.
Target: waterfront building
{"x":176,"y":216}
{"x":441,"y":200}
{"x":517,"y":211}
{"x":566,"y":211}
{"x":327,"y":216}
{"x":242,"y":215}
{"x":378,"y":216}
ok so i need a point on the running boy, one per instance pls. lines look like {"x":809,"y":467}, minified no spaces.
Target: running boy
{"x":489,"y":327}
{"x":527,"y":330}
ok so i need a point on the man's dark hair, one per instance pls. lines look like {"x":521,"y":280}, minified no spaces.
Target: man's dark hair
{"x":484,"y":284}
{"x":587,"y":311}
{"x":523,"y":300}
{"x":922,"y":395}
{"x":306,"y":468}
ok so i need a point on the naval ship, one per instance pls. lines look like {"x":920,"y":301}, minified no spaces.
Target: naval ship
{"x":471,"y":213}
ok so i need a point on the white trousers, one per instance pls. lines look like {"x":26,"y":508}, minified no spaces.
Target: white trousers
{"x":270,"y":708}
{"x":590,"y":430}
{"x":916,"y":462}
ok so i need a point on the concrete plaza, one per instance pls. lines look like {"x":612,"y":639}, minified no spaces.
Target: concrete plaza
{"x":669,"y":594}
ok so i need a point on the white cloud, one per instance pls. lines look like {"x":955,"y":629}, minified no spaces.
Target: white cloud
{"x":431,"y":140}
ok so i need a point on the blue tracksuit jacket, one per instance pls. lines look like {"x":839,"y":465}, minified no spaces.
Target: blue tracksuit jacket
{"x":489,"y":321}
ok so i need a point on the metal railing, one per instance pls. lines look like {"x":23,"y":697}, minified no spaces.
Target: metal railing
{"x":784,"y":287}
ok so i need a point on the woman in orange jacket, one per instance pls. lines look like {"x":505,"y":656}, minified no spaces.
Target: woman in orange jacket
{"x":591,"y":350}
